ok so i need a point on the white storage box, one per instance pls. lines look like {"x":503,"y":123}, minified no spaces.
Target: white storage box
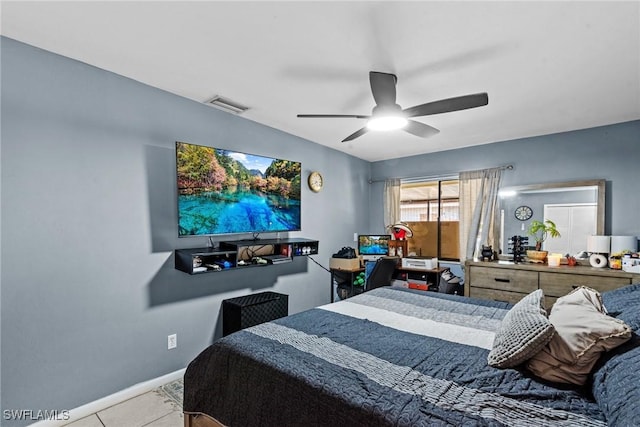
{"x":631,"y":265}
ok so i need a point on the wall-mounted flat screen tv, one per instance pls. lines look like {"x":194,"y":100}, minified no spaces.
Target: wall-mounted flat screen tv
{"x":228,"y":192}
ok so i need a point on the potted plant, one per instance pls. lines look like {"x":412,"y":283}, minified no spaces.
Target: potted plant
{"x":540,"y":231}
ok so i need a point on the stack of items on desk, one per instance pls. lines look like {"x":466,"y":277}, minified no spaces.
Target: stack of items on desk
{"x":345,"y":259}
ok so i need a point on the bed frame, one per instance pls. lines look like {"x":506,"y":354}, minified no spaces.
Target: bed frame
{"x":193,"y":419}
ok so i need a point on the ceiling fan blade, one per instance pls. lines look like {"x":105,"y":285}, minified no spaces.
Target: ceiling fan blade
{"x":420,"y":129}
{"x":447,"y":105}
{"x":356,"y":134}
{"x":383,"y":87}
{"x":332,"y":116}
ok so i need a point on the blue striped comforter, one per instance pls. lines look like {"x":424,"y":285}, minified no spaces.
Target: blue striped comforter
{"x":388,"y":357}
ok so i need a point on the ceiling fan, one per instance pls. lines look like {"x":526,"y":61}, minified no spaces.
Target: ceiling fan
{"x":387,"y":115}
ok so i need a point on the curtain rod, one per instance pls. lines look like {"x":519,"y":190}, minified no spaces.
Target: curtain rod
{"x":452,"y":175}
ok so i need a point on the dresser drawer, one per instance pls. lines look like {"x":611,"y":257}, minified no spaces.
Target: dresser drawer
{"x":558,"y":285}
{"x":503,"y":279}
{"x":496,"y":295}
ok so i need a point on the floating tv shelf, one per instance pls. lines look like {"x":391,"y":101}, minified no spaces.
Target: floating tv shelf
{"x":247,"y":253}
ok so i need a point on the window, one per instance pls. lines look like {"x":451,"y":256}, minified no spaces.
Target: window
{"x":431,"y":208}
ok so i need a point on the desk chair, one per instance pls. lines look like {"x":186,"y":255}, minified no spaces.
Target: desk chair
{"x":382,"y":273}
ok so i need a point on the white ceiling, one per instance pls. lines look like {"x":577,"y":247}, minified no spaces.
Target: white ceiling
{"x":547,"y":66}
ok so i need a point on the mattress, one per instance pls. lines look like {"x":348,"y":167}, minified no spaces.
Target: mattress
{"x":388,"y":357}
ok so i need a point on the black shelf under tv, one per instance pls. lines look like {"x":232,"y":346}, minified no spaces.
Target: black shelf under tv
{"x":247,"y":253}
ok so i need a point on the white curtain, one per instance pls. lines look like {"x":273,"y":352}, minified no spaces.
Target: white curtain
{"x":478,"y":211}
{"x":391,"y":202}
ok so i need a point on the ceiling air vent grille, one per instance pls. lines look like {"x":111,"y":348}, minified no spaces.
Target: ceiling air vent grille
{"x":226,"y":104}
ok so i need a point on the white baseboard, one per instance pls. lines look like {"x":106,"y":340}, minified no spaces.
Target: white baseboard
{"x":113,"y":399}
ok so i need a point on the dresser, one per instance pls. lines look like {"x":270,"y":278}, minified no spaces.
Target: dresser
{"x":506,"y":281}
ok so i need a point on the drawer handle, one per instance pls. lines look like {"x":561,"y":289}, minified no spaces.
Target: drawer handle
{"x":498,"y":279}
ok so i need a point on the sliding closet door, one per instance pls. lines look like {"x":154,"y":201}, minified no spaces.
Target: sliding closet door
{"x":575,"y":222}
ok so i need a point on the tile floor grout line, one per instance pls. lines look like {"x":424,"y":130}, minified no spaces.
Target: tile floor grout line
{"x":158,"y":419}
{"x":171,"y":393}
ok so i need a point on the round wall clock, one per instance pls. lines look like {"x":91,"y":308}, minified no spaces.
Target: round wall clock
{"x":523,"y":213}
{"x":315,"y":181}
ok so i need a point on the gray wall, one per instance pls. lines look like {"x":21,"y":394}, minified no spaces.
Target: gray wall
{"x":608,"y":152}
{"x":89,"y":291}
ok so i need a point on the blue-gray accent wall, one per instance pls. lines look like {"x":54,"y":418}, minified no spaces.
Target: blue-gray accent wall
{"x":609,"y":152}
{"x":89,"y":290}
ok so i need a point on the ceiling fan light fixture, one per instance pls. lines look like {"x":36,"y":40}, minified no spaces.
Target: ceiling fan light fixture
{"x":386,"y":123}
{"x":387,"y":115}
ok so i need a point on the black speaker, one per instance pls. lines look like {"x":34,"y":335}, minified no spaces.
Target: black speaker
{"x":250,"y":310}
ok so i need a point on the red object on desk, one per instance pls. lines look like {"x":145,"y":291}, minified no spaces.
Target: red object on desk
{"x":420,"y":286}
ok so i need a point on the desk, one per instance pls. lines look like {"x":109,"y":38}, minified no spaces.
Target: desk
{"x":436,"y":270}
{"x":351,"y":273}
{"x":431,"y":276}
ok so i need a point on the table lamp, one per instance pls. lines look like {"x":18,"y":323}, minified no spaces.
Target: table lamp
{"x":598,"y":246}
{"x":623,"y":244}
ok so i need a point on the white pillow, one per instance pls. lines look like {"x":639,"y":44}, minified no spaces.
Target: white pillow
{"x":583,"y":332}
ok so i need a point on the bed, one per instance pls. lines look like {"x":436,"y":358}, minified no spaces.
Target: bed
{"x":400,"y":357}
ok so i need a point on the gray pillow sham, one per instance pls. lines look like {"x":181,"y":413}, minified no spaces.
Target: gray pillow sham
{"x":524,"y":331}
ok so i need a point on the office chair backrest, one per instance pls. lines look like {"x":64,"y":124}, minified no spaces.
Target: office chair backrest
{"x":382,"y":273}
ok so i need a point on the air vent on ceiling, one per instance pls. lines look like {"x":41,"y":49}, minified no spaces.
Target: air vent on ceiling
{"x":227,"y":105}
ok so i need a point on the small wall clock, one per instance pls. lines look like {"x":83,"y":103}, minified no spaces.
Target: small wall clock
{"x":315,"y":181}
{"x":523,"y":213}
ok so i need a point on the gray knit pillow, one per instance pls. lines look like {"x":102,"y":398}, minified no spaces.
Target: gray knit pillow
{"x":524,"y":331}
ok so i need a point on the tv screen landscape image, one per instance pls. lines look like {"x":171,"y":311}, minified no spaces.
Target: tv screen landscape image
{"x":228,"y":192}
{"x":374,"y":244}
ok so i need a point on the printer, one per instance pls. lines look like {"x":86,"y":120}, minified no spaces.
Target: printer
{"x":420,"y":263}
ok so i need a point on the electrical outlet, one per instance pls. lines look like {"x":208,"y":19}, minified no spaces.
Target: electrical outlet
{"x":355,"y":237}
{"x":172,"y":341}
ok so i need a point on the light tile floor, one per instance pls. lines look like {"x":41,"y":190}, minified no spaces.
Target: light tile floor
{"x":161,"y":407}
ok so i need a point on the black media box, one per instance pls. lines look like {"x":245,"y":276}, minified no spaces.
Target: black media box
{"x":250,"y":310}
